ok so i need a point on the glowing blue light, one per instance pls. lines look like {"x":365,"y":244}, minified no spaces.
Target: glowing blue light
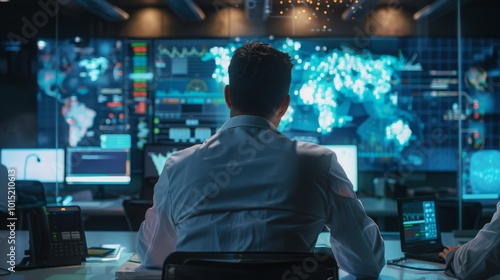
{"x":287,"y":118}
{"x":296,"y":46}
{"x":41,"y":44}
{"x":95,"y":67}
{"x":328,"y":75}
{"x":141,"y":76}
{"x":398,"y":131}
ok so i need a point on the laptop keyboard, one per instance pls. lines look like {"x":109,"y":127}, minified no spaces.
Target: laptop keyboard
{"x":431,"y":256}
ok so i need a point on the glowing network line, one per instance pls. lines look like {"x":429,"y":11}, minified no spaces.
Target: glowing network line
{"x":184,"y":52}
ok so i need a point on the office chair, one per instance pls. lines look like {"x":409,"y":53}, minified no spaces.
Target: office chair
{"x":448,"y":215}
{"x":135,"y":211}
{"x":250,"y":265}
{"x":29,"y":194}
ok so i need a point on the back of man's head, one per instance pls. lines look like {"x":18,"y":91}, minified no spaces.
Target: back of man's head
{"x":259,"y":78}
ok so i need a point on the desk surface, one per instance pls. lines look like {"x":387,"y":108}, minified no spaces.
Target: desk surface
{"x":106,"y":271}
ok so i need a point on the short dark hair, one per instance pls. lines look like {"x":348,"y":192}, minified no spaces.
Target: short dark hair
{"x":259,"y":78}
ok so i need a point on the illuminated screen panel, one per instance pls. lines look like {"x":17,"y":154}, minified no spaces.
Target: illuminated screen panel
{"x":44,"y":165}
{"x":393,"y":99}
{"x":419,"y":221}
{"x":96,"y":166}
{"x":156,"y":155}
{"x":481,"y":175}
{"x":83,"y":94}
{"x":347,"y":156}
{"x":343,"y":95}
{"x":189,"y":101}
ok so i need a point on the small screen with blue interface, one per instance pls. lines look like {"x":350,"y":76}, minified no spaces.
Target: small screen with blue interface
{"x":481,"y":175}
{"x":419,"y":221}
{"x":97,"y":166}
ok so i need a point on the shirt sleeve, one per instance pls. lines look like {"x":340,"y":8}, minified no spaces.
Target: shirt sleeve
{"x":355,"y":238}
{"x":478,"y":258}
{"x":157,"y":237}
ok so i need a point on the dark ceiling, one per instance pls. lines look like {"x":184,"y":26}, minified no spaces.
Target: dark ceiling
{"x":124,"y":17}
{"x":362,"y":6}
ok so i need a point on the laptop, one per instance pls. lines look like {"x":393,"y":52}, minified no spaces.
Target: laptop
{"x":419,"y":228}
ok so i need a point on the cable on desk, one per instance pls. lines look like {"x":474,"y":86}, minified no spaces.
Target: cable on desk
{"x":396,"y":262}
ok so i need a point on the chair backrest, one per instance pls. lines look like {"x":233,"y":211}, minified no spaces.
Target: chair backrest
{"x":30,"y":194}
{"x":135,"y":211}
{"x":250,"y":265}
{"x":448,"y":215}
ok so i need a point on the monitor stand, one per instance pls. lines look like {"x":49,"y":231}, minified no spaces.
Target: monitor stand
{"x":102,"y":194}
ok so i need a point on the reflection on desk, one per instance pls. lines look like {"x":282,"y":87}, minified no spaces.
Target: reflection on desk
{"x":106,"y":271}
{"x":109,"y":207}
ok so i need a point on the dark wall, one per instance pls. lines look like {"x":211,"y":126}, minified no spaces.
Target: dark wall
{"x":34,"y":21}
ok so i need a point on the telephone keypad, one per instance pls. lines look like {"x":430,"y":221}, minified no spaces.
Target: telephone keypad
{"x":67,"y":249}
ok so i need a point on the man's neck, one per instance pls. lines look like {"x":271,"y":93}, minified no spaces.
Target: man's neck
{"x":272,"y":119}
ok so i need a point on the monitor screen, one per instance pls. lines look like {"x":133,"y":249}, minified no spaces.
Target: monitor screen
{"x":347,"y":156}
{"x":481,"y":175}
{"x":87,"y":86}
{"x":44,"y":165}
{"x":155,"y":157}
{"x":97,"y":166}
{"x":418,"y":222}
{"x":391,"y":99}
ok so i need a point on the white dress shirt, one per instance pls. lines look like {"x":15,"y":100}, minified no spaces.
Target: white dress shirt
{"x":250,"y":188}
{"x":480,"y":257}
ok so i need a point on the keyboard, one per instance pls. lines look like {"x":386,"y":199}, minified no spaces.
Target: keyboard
{"x":430,"y":257}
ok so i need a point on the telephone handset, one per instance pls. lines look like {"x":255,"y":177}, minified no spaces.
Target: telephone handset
{"x":57,"y":237}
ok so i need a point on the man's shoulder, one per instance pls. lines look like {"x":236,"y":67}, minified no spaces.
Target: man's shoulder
{"x":312,"y":149}
{"x":184,"y":154}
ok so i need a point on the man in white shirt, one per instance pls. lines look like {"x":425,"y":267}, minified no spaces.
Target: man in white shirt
{"x":478,"y":258}
{"x":250,"y":188}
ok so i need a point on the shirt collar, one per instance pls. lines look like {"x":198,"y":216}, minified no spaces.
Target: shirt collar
{"x":249,"y":120}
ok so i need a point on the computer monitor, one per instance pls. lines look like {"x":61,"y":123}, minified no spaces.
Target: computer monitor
{"x":347,"y":155}
{"x":44,"y":165}
{"x":155,"y":156}
{"x":481,"y":176}
{"x":97,"y":166}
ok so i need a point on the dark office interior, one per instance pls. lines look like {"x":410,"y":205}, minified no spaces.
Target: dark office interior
{"x":430,"y":127}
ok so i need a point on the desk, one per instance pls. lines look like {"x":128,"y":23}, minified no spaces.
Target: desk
{"x":94,"y":271}
{"x":106,"y":271}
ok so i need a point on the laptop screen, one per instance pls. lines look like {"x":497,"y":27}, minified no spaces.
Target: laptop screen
{"x":419,"y":225}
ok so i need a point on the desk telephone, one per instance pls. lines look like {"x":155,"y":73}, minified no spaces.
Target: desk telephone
{"x":57,"y":237}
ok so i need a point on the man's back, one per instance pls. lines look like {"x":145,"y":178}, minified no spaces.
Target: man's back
{"x":249,"y":188}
